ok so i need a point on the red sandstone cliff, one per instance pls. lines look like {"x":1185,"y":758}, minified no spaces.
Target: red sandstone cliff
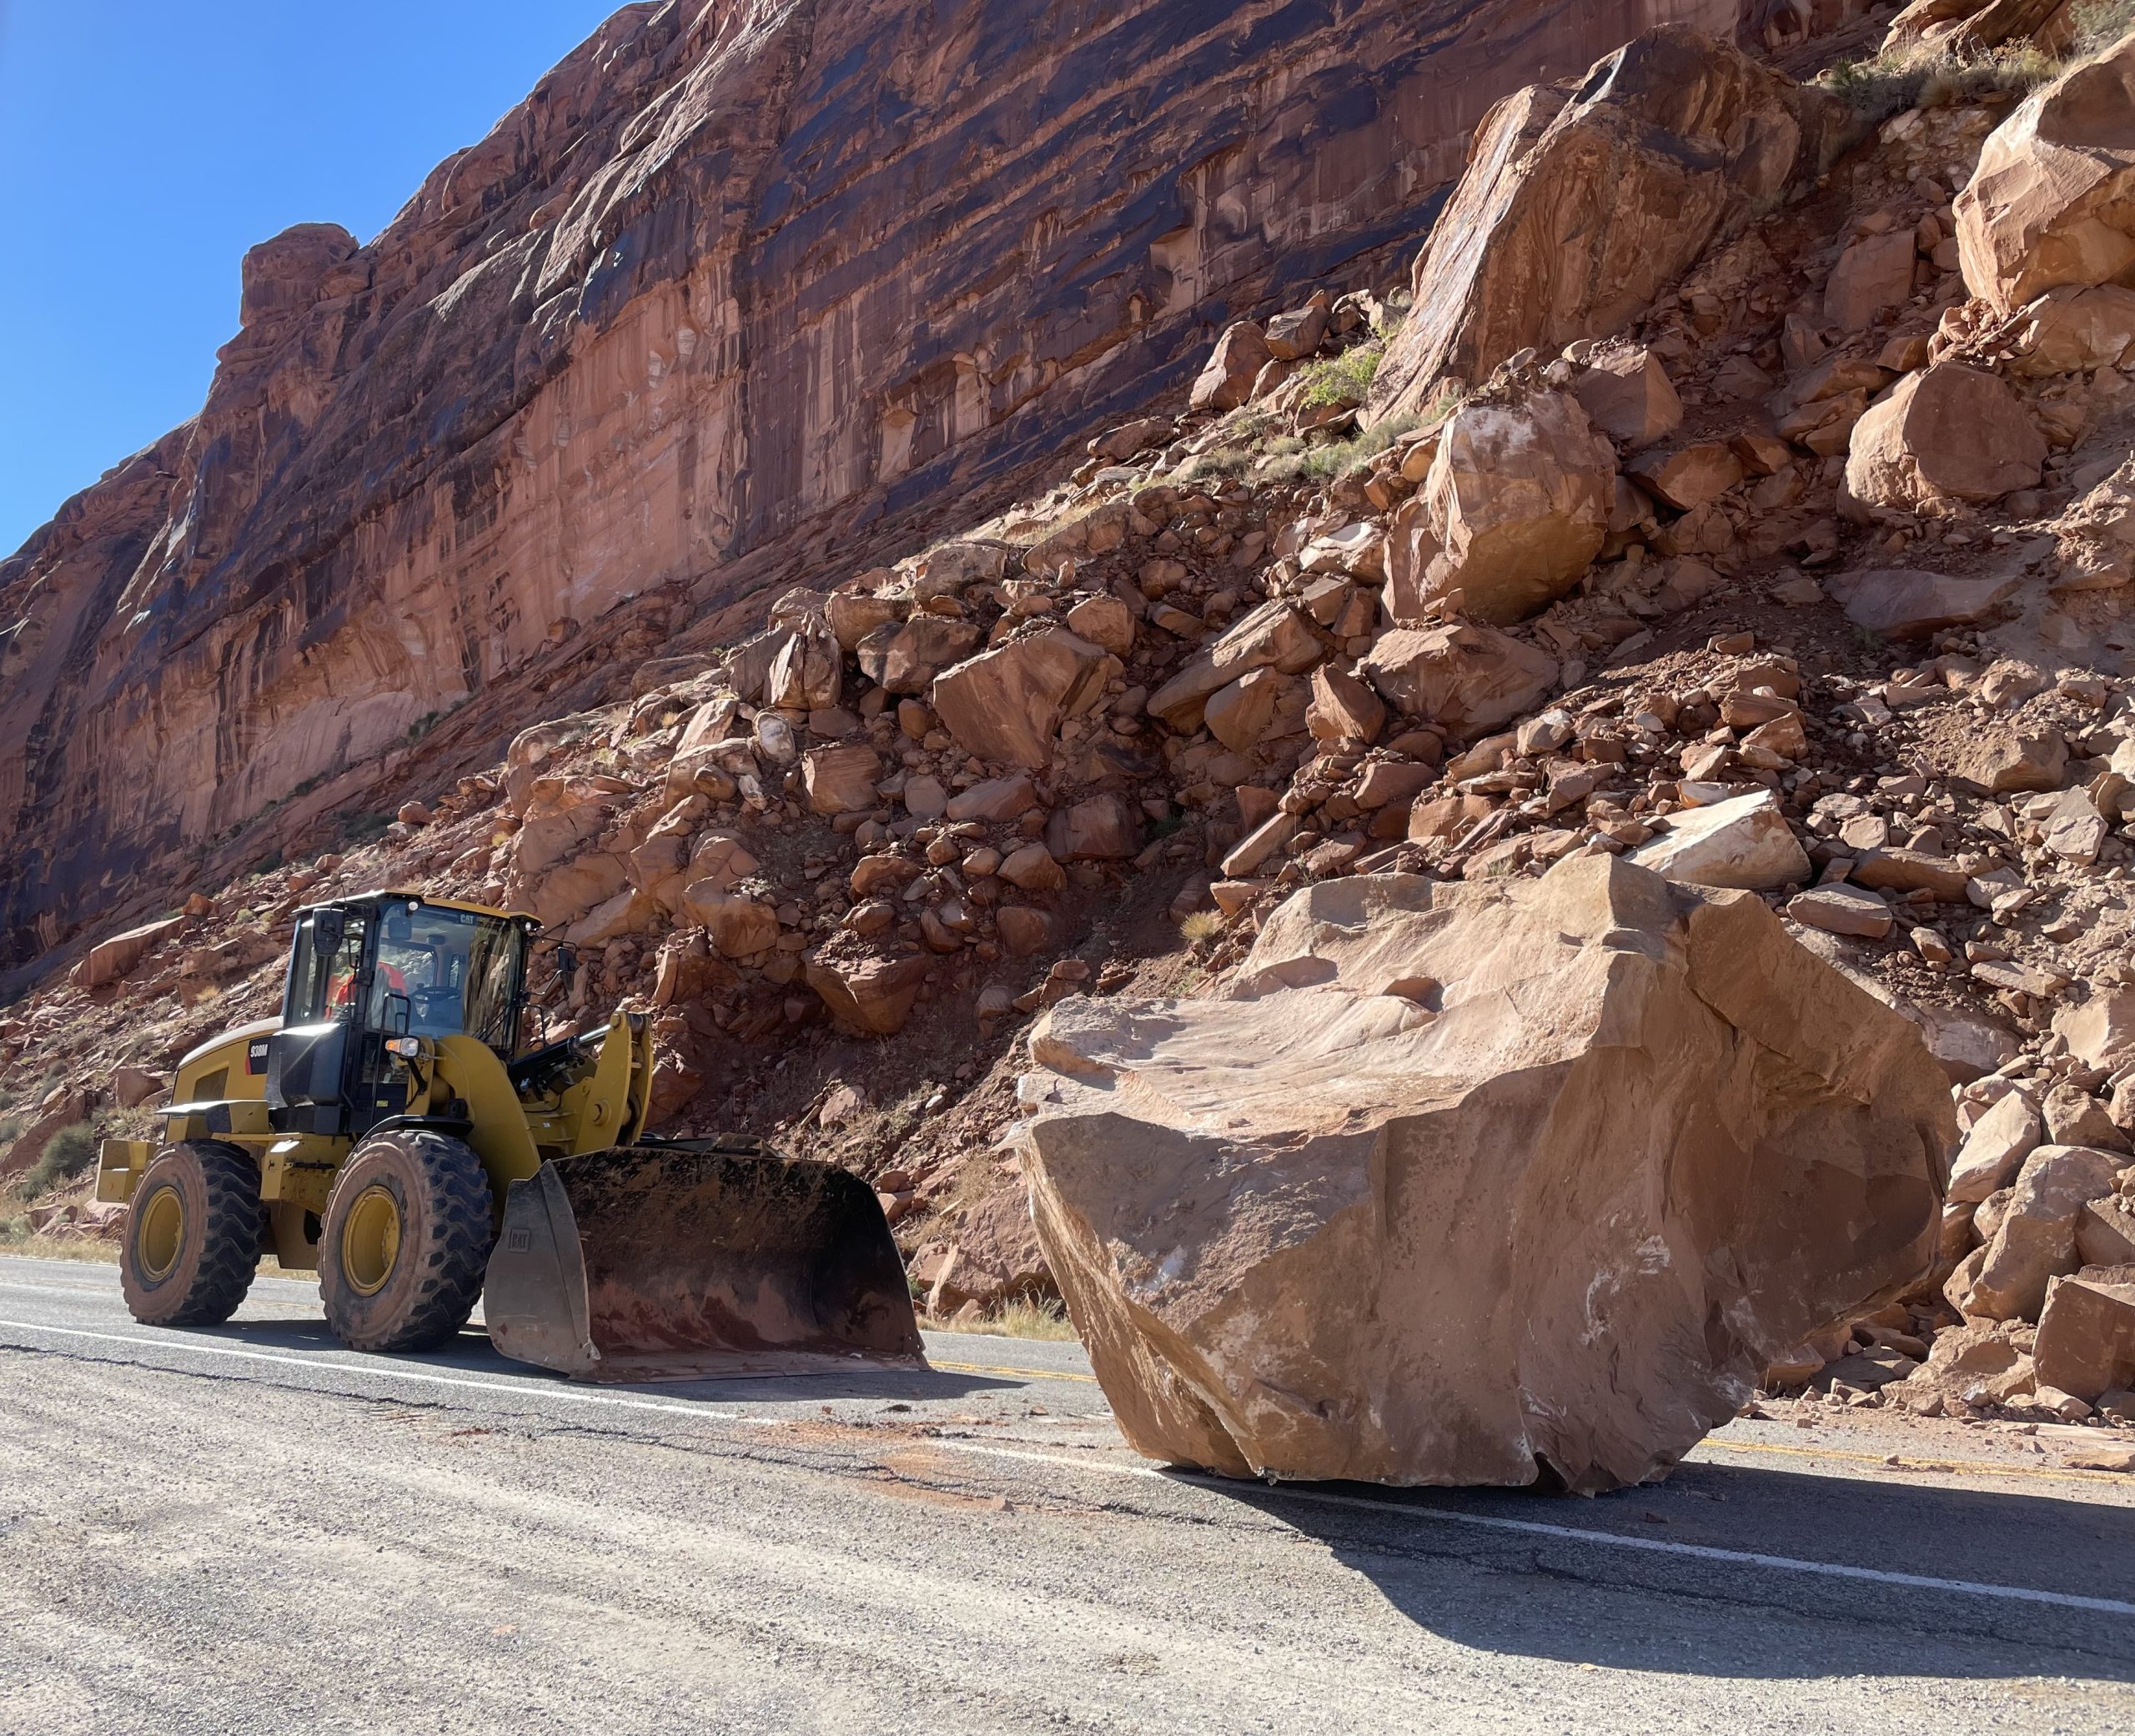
{"x":738,"y":287}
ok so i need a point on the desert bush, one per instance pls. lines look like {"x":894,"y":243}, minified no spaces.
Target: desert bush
{"x":1345,"y":378}
{"x":1201,"y":926}
{"x":66,"y":1155}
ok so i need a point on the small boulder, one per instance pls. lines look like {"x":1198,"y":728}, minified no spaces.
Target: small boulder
{"x":1744,"y":841}
{"x":2069,"y":330}
{"x":841,"y":779}
{"x":2036,"y":1239}
{"x":1342,"y":708}
{"x":1008,"y":704}
{"x":1948,"y":433}
{"x":1905,"y":603}
{"x":2100,"y":1031}
{"x":864,"y":991}
{"x":906,"y":656}
{"x":1034,"y":868}
{"x":1104,"y":621}
{"x":1627,"y":394}
{"x":1024,"y":932}
{"x":1842,"y":909}
{"x":1465,"y":677}
{"x":2086,"y":1344}
{"x":1226,"y":382}
{"x":109,"y":960}
{"x":1872,"y":277}
{"x":995,"y":799}
{"x":1518,"y":502}
{"x":131,"y":1086}
{"x":1238,"y":715}
{"x":737,"y":924}
{"x":1103,"y":828}
{"x":1689,"y":476}
{"x":1275,"y":635}
{"x":1998,"y":758}
{"x":1995,"y":1149}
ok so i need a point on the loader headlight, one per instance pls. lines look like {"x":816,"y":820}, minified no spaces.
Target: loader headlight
{"x":406,"y":1047}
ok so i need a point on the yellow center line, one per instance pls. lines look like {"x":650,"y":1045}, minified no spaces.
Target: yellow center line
{"x":1026,"y":1373}
{"x":1979,"y":1468}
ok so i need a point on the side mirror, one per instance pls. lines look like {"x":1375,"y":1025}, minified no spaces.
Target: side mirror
{"x":326,"y":930}
{"x":566,"y":961}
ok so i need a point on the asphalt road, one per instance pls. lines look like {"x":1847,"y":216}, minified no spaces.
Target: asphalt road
{"x":249,"y":1529}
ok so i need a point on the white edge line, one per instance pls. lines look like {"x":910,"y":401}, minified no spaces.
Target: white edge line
{"x":1288,"y":1492}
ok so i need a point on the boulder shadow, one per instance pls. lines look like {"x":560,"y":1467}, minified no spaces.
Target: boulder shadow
{"x":1743,"y":1571}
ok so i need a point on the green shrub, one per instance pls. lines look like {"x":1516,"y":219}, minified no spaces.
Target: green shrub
{"x":1220,"y":461}
{"x":2099,"y":24}
{"x":1345,"y":378}
{"x":67,"y":1154}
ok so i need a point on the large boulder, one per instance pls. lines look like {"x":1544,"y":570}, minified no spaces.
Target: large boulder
{"x":1948,"y":433}
{"x":1577,"y":207}
{"x":1515,"y":504}
{"x":2053,"y":199}
{"x":1491,"y":1182}
{"x":1465,"y":678}
{"x":1006,"y":706}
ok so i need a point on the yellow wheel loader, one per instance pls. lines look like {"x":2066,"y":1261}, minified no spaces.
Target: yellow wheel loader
{"x":389,"y":1131}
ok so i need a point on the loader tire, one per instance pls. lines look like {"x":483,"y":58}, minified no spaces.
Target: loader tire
{"x":192,"y":1241}
{"x":404,"y":1241}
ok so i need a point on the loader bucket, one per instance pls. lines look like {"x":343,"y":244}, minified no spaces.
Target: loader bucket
{"x":676,"y":1263}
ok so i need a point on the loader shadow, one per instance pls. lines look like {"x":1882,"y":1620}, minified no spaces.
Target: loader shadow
{"x":472,"y":1353}
{"x":1448,"y":1561}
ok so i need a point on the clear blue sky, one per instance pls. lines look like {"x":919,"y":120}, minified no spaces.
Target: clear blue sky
{"x":145,"y":144}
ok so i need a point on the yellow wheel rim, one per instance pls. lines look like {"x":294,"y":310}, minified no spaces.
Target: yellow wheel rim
{"x":370,"y":1239}
{"x":163,"y":1233}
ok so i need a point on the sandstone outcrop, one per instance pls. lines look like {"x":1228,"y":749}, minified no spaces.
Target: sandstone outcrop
{"x":1478,"y":1184}
{"x":1579,"y":206}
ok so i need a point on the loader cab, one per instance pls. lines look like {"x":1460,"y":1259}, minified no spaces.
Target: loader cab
{"x":365,"y":971}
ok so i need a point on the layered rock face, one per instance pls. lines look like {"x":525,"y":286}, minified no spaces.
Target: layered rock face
{"x":733,"y":283}
{"x":1479,"y":1183}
